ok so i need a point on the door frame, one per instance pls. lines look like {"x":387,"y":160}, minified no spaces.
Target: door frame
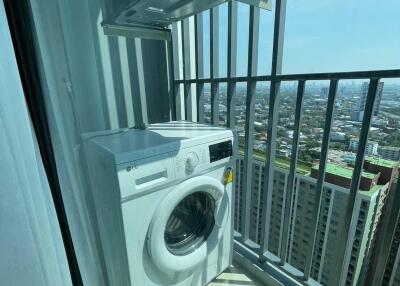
{"x":22,"y":34}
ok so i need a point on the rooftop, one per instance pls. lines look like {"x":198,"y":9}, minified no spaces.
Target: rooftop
{"x":342,"y":171}
{"x":382,"y":162}
{"x":391,"y":148}
{"x":283,"y":163}
{"x":372,"y":191}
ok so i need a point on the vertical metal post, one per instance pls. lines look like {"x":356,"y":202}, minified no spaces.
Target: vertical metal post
{"x":135,"y":64}
{"x":321,"y":173}
{"x":198,"y":26}
{"x":176,"y":48}
{"x":249,"y":125}
{"x":185,"y":63}
{"x":171,"y":82}
{"x":292,"y":172}
{"x":279,"y":30}
{"x":358,"y":167}
{"x":231,"y":71}
{"x":214,"y":37}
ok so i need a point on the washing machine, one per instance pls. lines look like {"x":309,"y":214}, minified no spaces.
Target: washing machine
{"x":163,"y":199}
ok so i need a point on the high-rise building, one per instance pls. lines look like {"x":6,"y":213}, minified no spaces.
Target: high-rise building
{"x":390,"y":153}
{"x":374,"y":184}
{"x":358,"y":112}
{"x":371,"y":148}
{"x":324,"y":92}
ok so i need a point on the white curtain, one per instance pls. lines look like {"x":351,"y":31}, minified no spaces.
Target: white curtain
{"x":31,"y":247}
{"x":91,"y":82}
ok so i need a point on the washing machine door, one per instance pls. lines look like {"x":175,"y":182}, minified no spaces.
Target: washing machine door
{"x":188,"y":224}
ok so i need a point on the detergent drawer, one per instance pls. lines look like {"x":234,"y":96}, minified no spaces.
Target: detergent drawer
{"x":146,"y":174}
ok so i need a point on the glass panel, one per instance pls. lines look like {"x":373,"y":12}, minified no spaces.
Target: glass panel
{"x":177,"y":50}
{"x":240,"y":118}
{"x":259,"y":147}
{"x":304,"y":189}
{"x":261,"y":109}
{"x":190,"y":223}
{"x":223,"y":40}
{"x":206,"y":43}
{"x":240,"y":112}
{"x":265,"y":41}
{"x":242,"y":38}
{"x":207,"y":103}
{"x":222,"y":97}
{"x":284,"y":137}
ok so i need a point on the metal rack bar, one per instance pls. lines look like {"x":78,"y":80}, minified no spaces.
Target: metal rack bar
{"x":214,"y":36}
{"x":277,"y":51}
{"x":231,"y":70}
{"x":249,"y":124}
{"x":198,"y":26}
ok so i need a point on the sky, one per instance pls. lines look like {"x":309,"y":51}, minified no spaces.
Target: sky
{"x":320,"y":36}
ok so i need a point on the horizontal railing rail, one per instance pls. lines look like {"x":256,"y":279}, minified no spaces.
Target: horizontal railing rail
{"x":382,"y":74}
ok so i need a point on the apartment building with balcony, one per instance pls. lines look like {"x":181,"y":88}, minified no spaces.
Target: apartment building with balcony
{"x":390,"y":153}
{"x":372,"y":147}
{"x":367,"y":211}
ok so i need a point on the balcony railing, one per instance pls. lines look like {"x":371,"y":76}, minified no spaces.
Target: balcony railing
{"x":268,"y":193}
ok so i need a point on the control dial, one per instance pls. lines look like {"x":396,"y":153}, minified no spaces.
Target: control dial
{"x":192,"y":160}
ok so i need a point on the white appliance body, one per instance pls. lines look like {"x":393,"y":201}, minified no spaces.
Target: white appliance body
{"x":163,"y":203}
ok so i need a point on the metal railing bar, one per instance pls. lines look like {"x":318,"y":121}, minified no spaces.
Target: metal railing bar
{"x":279,"y":32}
{"x":199,"y":42}
{"x":171,"y":84}
{"x":277,"y":51}
{"x":198,"y":26}
{"x":176,"y":69}
{"x":307,"y":76}
{"x":231,"y":104}
{"x":342,"y":75}
{"x":185,"y":35}
{"x":200,"y":102}
{"x":214,"y":37}
{"x":292,"y":172}
{"x":231,"y":61}
{"x":269,"y":168}
{"x":226,"y":79}
{"x":330,"y":109}
{"x":215,"y":104}
{"x":358,"y":167}
{"x":254,"y":23}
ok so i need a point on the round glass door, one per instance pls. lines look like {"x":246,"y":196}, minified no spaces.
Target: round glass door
{"x":190,"y":223}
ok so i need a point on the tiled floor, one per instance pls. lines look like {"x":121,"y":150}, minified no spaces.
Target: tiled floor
{"x":234,"y":276}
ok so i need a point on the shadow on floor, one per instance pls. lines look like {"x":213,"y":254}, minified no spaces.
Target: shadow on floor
{"x":234,"y":276}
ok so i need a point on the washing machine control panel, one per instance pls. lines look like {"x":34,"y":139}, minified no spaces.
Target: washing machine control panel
{"x":220,"y":150}
{"x":192,"y":160}
{"x":201,"y":157}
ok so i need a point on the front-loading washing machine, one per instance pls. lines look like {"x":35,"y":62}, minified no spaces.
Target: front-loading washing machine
{"x":163,"y":200}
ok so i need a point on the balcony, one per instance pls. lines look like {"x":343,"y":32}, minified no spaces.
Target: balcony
{"x":297,"y":190}
{"x":316,"y":186}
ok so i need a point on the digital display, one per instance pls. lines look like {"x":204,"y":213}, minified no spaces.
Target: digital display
{"x":220,"y":151}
